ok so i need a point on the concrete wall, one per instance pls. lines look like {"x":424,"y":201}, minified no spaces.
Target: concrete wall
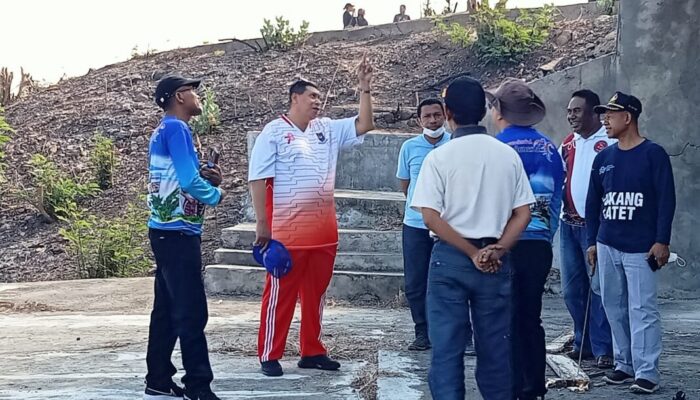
{"x":391,"y":29}
{"x":657,"y":60}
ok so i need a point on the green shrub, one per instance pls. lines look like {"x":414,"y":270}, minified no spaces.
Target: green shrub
{"x":107,"y":248}
{"x":54,"y":194}
{"x":103,"y":160}
{"x":457,"y":34}
{"x":4,"y":127}
{"x":205,"y":123}
{"x":606,"y":6}
{"x":282,"y":36}
{"x":502,"y":40}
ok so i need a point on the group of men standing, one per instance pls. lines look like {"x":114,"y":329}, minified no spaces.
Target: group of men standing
{"x":479,"y":199}
{"x":481,"y":215}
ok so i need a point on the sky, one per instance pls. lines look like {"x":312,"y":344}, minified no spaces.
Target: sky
{"x":53,"y":38}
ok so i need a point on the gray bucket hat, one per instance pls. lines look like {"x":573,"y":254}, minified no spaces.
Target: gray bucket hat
{"x":517,"y":103}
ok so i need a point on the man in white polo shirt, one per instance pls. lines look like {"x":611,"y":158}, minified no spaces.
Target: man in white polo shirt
{"x":578,"y":151}
{"x":475,"y":198}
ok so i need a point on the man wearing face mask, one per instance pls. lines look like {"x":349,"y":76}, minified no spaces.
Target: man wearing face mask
{"x":417,"y":243}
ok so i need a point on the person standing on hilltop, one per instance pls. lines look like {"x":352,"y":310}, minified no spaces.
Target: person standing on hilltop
{"x":349,"y":19}
{"x":361,"y":21}
{"x":292,"y":183}
{"x":177,"y":194}
{"x":401,"y":16}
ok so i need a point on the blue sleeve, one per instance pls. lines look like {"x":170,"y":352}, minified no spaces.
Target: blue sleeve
{"x":555,"y":204}
{"x":593,"y":202}
{"x":178,"y":141}
{"x":666,"y":196}
{"x":402,"y":171}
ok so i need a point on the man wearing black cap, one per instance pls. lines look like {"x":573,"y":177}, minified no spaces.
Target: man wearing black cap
{"x":629,"y":211}
{"x":475,"y":198}
{"x":515,"y":108}
{"x":177,"y":195}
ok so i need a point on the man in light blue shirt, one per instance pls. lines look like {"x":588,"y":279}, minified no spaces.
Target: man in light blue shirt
{"x":417,"y":243}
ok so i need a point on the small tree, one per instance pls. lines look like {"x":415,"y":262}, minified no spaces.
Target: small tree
{"x":282,"y":36}
{"x":210,"y":118}
{"x":103,"y":160}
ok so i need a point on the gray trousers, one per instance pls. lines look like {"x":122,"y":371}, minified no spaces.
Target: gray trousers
{"x":628,"y":288}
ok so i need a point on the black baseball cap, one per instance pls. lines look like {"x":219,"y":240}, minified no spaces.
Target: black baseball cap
{"x":465,"y":96}
{"x":168,"y":85}
{"x":621,"y":102}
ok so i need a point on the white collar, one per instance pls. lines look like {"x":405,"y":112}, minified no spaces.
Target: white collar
{"x":600,"y":133}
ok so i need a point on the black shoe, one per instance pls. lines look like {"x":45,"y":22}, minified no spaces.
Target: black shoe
{"x":644,"y":386}
{"x":169,"y":392}
{"x":319,"y":362}
{"x":574,"y":355}
{"x":421,"y":343}
{"x":271,"y":368}
{"x":201,"y":395}
{"x":617,"y":377}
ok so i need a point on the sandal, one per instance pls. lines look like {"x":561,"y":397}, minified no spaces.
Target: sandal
{"x":605,"y":362}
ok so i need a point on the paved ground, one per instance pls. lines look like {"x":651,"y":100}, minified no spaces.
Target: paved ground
{"x":85,"y":340}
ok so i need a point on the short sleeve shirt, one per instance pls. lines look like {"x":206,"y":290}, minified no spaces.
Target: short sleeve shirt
{"x":299,"y":168}
{"x":474,"y":182}
{"x":411,"y":156}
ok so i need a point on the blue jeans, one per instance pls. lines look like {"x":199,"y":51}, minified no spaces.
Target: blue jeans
{"x":455,"y":286}
{"x":628,"y":286}
{"x":575,"y":285}
{"x":417,"y":246}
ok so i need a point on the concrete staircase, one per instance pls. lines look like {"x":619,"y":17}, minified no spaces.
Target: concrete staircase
{"x":369,"y":265}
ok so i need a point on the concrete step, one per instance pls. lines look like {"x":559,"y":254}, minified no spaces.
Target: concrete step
{"x":346,"y":285}
{"x":358,"y":208}
{"x":362,"y":262}
{"x":369,"y":209}
{"x":242,"y":236}
{"x":369,"y":166}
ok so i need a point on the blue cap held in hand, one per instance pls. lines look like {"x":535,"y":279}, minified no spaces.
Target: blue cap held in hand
{"x":274,"y":257}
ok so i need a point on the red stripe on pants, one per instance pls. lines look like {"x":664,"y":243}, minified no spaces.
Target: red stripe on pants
{"x":308,"y":279}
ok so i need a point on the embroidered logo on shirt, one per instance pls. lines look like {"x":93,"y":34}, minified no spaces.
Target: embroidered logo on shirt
{"x":600,"y":145}
{"x":289,"y":137}
{"x":605,"y":168}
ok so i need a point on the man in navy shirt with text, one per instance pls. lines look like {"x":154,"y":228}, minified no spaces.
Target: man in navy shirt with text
{"x":629,"y":212}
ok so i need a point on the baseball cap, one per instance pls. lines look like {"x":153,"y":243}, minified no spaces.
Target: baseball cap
{"x":517,"y":103}
{"x":274,"y":257}
{"x":621,"y":102}
{"x":465,"y":96}
{"x":168,"y":85}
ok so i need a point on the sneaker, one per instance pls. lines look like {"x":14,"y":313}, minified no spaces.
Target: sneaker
{"x":201,"y":395}
{"x":421,"y":343}
{"x":170,"y":392}
{"x":574,"y":355}
{"x":319,"y":362}
{"x":469,"y":350}
{"x":644,"y":386}
{"x":271,"y":368}
{"x":605,"y":362}
{"x":617,"y":377}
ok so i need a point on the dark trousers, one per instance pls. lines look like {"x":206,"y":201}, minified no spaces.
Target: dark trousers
{"x":179,"y":311}
{"x":454,"y":287}
{"x":575,"y":285}
{"x":417,"y":247}
{"x":531,"y":261}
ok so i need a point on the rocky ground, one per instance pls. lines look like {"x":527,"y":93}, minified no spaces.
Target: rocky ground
{"x":59,"y":121}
